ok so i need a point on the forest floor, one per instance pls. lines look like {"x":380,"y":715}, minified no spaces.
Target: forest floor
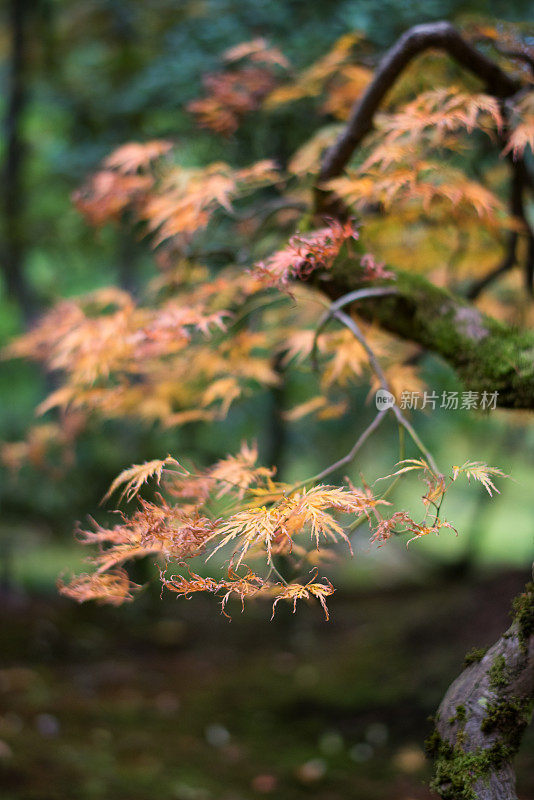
{"x":172,"y":701}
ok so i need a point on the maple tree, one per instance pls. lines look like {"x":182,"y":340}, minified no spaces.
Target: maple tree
{"x":382,"y":234}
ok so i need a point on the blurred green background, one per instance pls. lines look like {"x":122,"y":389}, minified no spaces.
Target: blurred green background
{"x":168,"y":700}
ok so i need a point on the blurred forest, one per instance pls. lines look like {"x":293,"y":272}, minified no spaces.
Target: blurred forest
{"x":91,"y":696}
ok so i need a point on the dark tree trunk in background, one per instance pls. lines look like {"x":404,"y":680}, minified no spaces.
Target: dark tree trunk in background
{"x":13,"y":246}
{"x":127,"y":252}
{"x":277,"y":439}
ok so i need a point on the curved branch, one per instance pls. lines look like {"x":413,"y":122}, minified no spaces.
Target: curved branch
{"x":481,"y":719}
{"x":508,"y":262}
{"x":517,"y":210}
{"x":441,"y":35}
{"x":520,"y":180}
{"x":488,"y":355}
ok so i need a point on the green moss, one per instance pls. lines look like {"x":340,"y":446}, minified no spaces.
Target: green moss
{"x":460,"y":716}
{"x":498,"y":674}
{"x":433,"y":744}
{"x":510,"y":717}
{"x":461,"y":739}
{"x":456,"y":771}
{"x":523,"y":614}
{"x":474,"y":656}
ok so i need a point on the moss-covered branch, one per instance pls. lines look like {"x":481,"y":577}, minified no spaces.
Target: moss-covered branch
{"x":481,"y":719}
{"x":487,"y":355}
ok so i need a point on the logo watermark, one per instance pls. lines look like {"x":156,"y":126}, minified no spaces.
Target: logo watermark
{"x":384,"y":399}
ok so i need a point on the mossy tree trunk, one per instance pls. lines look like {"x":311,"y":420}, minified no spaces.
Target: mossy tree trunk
{"x":480,"y":722}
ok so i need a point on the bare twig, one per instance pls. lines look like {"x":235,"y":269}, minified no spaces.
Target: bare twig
{"x":266,"y":210}
{"x":337,"y":305}
{"x":352,"y":297}
{"x":335,"y":312}
{"x":377,"y":369}
{"x":350,"y":455}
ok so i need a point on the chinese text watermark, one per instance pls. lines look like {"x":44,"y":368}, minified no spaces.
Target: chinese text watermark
{"x":451,"y":401}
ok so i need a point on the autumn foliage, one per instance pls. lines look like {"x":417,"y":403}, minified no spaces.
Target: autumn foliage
{"x":201,"y":338}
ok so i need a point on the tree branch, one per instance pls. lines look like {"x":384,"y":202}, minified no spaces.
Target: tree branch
{"x":487,"y":355}
{"x":520,"y":180}
{"x":509,"y":52}
{"x":509,"y":261}
{"x":517,"y":210}
{"x":441,"y":35}
{"x":481,"y":719}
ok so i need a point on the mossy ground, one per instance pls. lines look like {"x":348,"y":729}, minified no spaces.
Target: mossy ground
{"x":170,"y":700}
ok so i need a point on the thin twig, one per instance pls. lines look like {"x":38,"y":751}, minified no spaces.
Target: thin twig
{"x":278,"y":574}
{"x":377,"y":369}
{"x":416,"y":439}
{"x":350,"y":455}
{"x":337,"y":305}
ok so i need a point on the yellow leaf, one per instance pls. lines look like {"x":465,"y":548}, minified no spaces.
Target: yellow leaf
{"x":134,"y":477}
{"x":479,"y":472}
